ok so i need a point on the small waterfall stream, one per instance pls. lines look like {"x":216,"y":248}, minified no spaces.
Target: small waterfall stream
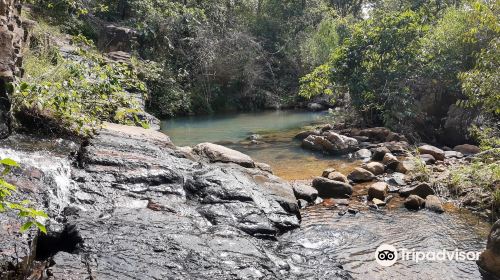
{"x":47,"y":162}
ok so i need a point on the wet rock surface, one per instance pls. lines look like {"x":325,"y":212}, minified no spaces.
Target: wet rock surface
{"x":489,"y":260}
{"x":141,"y":209}
{"x":331,"y":189}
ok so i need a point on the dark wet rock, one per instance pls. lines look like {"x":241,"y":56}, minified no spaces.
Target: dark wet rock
{"x":305,"y":192}
{"x":137,"y":208}
{"x":363,"y":154}
{"x":433,"y":203}
{"x":376,"y":168}
{"x":423,"y":190}
{"x":217,"y":153}
{"x":489,"y":260}
{"x":437,"y":153}
{"x":397,"y":148}
{"x":378,"y":190}
{"x":352,"y":211}
{"x":414,"y":202}
{"x":337,"y":176}
{"x":331,"y":189}
{"x":453,"y":154}
{"x":427,"y":159}
{"x":467,"y":149}
{"x":379,"y":153}
{"x":361,"y":175}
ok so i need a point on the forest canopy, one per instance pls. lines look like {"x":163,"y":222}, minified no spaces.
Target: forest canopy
{"x":407,"y":65}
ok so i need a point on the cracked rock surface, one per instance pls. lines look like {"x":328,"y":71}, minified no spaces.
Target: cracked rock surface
{"x":136,"y":207}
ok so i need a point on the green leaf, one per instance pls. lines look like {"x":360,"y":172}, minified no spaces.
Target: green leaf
{"x":26,"y":226}
{"x":9,"y":162}
{"x":41,"y":227}
{"x":7,"y":185}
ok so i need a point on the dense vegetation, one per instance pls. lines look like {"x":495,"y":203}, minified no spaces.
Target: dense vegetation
{"x":408,"y":63}
{"x":397,"y":63}
{"x":207,"y":56}
{"x":73,"y":94}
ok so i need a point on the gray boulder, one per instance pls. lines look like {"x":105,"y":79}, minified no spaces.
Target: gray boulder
{"x":433,"y":203}
{"x":305,"y":192}
{"x":218,"y":153}
{"x":423,"y":190}
{"x":378,"y":190}
{"x":489,"y":260}
{"x":331,"y":189}
{"x":437,"y":153}
{"x":376,"y":168}
{"x":361,"y":175}
{"x":414,"y":202}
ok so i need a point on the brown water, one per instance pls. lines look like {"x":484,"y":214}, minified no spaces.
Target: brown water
{"x":326,"y":237}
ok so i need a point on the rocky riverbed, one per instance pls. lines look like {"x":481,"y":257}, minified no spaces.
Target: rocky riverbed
{"x":128,"y":204}
{"x":396,"y":174}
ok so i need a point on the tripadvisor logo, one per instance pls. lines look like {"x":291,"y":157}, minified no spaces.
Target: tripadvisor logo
{"x":388,"y":255}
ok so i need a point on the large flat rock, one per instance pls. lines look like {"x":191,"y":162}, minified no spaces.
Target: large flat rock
{"x":136,"y":207}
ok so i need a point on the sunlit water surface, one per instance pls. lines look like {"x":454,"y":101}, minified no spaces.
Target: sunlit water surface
{"x":277,"y":129}
{"x":325,"y":237}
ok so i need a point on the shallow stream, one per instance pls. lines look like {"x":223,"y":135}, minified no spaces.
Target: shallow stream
{"x":325,"y":235}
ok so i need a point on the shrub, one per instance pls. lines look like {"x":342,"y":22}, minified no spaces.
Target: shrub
{"x":76,"y":96}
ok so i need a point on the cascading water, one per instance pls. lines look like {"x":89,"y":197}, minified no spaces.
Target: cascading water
{"x":52,"y":168}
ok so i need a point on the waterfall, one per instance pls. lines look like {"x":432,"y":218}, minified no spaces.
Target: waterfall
{"x":55,"y":175}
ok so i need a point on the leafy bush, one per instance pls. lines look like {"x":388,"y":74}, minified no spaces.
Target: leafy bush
{"x":375,"y":66}
{"x":24,"y":212}
{"x":76,"y":96}
{"x":404,"y":66}
{"x":480,"y":84}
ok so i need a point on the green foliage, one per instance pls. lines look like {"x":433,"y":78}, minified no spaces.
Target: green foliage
{"x":480,"y":84}
{"x":487,"y":137}
{"x":329,"y":34}
{"x":421,"y":171}
{"x":411,"y":53}
{"x":77,"y":95}
{"x":479,"y":174}
{"x":6,"y":191}
{"x":375,"y":65}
